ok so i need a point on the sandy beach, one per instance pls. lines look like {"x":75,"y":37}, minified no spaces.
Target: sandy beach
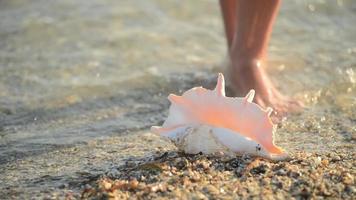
{"x":82,"y":82}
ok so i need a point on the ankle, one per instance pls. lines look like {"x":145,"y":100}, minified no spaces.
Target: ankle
{"x":246,"y":65}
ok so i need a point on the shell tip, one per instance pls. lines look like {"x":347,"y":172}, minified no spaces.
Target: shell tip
{"x":174,"y":98}
{"x":220,"y":85}
{"x":250,"y":95}
{"x":269,"y":111}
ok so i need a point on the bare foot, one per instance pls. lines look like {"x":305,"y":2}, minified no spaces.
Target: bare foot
{"x":247,"y":76}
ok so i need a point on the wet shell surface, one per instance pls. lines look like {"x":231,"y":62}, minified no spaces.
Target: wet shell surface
{"x":206,"y":121}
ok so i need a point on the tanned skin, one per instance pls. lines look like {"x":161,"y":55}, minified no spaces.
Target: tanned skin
{"x":248,"y":27}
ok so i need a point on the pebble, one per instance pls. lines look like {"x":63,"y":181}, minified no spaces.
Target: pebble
{"x":350,"y":189}
{"x":316,"y":161}
{"x":348,"y":179}
{"x":211,"y":190}
{"x":281,"y":172}
{"x":325,"y":162}
{"x":336,"y":158}
{"x":199,"y":195}
{"x":107,"y":185}
{"x":133,"y":184}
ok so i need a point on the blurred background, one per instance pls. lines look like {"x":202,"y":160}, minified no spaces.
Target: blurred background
{"x":75,"y":71}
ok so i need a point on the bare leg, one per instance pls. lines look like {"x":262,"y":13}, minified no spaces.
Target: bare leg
{"x":248,"y":26}
{"x":229,"y":8}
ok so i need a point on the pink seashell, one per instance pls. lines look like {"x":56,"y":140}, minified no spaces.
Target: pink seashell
{"x":207,"y":121}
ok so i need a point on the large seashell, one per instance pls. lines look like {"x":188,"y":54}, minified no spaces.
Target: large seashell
{"x":207,"y":121}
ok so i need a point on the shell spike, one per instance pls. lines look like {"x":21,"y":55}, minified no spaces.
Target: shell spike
{"x":220,"y":85}
{"x":250,"y":95}
{"x":175,"y":99}
{"x":269,"y":111}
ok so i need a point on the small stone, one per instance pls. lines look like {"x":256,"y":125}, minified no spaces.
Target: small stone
{"x":158,"y":188}
{"x":185,"y":181}
{"x":195,"y":177}
{"x":325,"y":162}
{"x":107,"y":185}
{"x":294,"y":174}
{"x":181,"y":163}
{"x":209,"y":176}
{"x":170,"y":187}
{"x":350,"y":189}
{"x":279,"y":184}
{"x":211,"y":190}
{"x":305,"y":193}
{"x":133,"y":184}
{"x":323,"y":189}
{"x":154,"y":188}
{"x":261,"y":169}
{"x":336,"y":158}
{"x":281,"y":172}
{"x":348,"y":179}
{"x":204,"y":165}
{"x":222,"y":190}
{"x":316,"y":161}
{"x":199,"y":195}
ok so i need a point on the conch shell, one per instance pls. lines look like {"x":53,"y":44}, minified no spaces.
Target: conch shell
{"x":207,"y":121}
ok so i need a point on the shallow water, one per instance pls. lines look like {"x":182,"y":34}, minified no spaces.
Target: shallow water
{"x":73,"y":74}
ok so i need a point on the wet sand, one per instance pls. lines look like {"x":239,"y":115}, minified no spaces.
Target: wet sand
{"x":81,"y":83}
